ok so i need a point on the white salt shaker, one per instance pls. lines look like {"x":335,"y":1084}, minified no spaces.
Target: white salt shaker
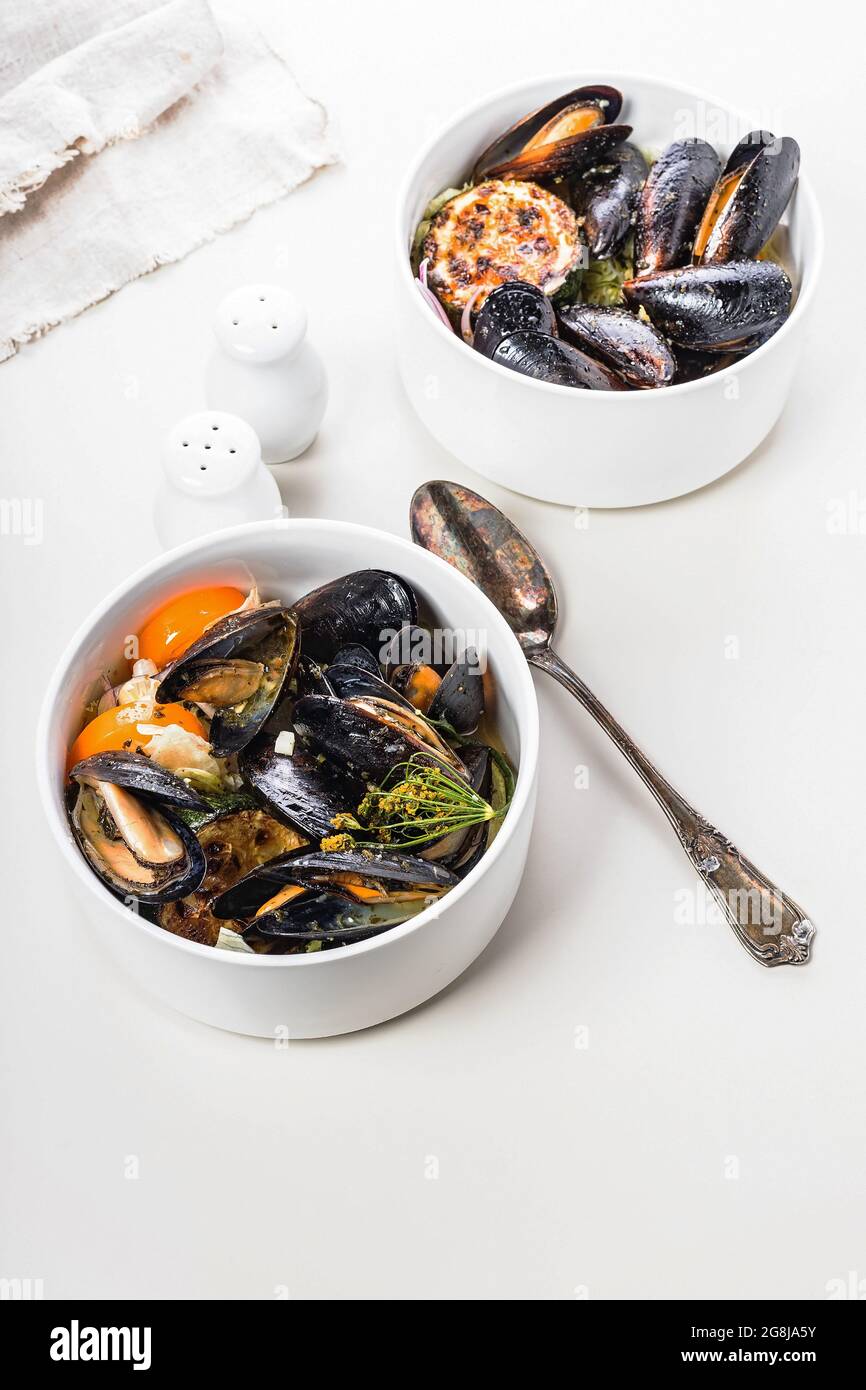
{"x":213,"y":477}
{"x":263,"y":369}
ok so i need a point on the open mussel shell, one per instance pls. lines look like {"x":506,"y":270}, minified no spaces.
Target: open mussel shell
{"x":749,"y":198}
{"x":633,"y":349}
{"x":568,"y":117}
{"x":564,"y":157}
{"x":312,"y":895}
{"x":417,"y":683}
{"x":512,"y":308}
{"x":459,"y":698}
{"x":606,"y":196}
{"x":239,"y":666}
{"x":302,"y":789}
{"x":346,"y":681}
{"x":548,"y":359}
{"x":714,"y":307}
{"x":672,"y":203}
{"x":358,"y":608}
{"x":370,"y":737}
{"x":334,"y":918}
{"x":121,"y":820}
{"x":139,"y":774}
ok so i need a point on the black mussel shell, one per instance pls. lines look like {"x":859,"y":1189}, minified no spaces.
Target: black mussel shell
{"x":139,"y":774}
{"x":630,"y":347}
{"x":460,"y":697}
{"x":606,"y":100}
{"x":346,"y":681}
{"x":693,"y":365}
{"x":243,"y":898}
{"x":332,"y":918}
{"x":312,"y":677}
{"x":564,"y":157}
{"x":605,"y":196}
{"x":316,"y":868}
{"x":512,"y":308}
{"x":301,"y":789}
{"x":268,"y":635}
{"x":184,"y":876}
{"x":749,"y":198}
{"x":358,"y":608}
{"x":380,"y":866}
{"x":363,"y":740}
{"x":410,"y":646}
{"x":714,"y":307}
{"x":547,"y":359}
{"x":672,"y":204}
{"x":328,"y":909}
{"x":353,"y":654}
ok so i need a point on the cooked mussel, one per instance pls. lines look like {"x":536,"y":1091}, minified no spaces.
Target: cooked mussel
{"x":358,"y":608}
{"x":548,"y":359}
{"x":606,"y":196}
{"x":748,"y":199}
{"x":332,"y":897}
{"x":239,"y":666}
{"x":572,"y":132}
{"x":633,"y":349}
{"x":409,"y":646}
{"x":302,"y":789}
{"x":121,"y":818}
{"x":672,"y":203}
{"x":353,"y":654}
{"x":370,"y":737}
{"x":714,"y":307}
{"x":417,"y":683}
{"x":346,"y":681}
{"x":459,"y":697}
{"x":512,"y":308}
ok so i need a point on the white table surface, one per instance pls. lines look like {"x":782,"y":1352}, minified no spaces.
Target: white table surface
{"x":620,"y":1106}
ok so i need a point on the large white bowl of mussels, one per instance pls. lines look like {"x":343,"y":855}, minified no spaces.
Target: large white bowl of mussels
{"x":292,"y":770}
{"x":603,"y":283}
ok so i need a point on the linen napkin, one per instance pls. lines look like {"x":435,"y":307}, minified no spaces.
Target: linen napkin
{"x":130,"y":134}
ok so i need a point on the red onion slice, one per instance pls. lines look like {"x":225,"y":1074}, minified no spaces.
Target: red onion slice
{"x":429,"y":297}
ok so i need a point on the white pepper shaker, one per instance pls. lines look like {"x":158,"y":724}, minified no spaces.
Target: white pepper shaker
{"x":263,"y":369}
{"x":213,"y":477}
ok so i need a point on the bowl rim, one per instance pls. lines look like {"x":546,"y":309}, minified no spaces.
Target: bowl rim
{"x":617,"y":79}
{"x":525,"y":710}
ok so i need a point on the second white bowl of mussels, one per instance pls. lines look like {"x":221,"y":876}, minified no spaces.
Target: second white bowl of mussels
{"x":602,"y":285}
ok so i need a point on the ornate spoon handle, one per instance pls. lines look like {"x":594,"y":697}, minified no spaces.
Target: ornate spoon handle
{"x":773,"y":929}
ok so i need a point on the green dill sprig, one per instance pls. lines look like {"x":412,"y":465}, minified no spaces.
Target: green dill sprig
{"x":417,"y":804}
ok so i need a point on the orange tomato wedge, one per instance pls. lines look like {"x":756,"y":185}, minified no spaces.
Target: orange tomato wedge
{"x":182,"y":620}
{"x":117,"y":728}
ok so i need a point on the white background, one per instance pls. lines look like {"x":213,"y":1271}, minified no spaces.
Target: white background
{"x":563,"y":1169}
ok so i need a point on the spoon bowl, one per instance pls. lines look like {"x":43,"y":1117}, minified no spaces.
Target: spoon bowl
{"x":480,"y":541}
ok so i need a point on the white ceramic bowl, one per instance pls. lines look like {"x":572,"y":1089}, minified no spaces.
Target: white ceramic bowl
{"x":589,"y":448}
{"x":333,"y":991}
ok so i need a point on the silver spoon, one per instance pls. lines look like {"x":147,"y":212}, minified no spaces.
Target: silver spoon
{"x":479,"y":540}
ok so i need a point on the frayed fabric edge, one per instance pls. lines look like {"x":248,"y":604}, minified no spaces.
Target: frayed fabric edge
{"x":10,"y":346}
{"x":15,"y":192}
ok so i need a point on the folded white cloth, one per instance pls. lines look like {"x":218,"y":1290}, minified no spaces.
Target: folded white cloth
{"x":85,"y":206}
